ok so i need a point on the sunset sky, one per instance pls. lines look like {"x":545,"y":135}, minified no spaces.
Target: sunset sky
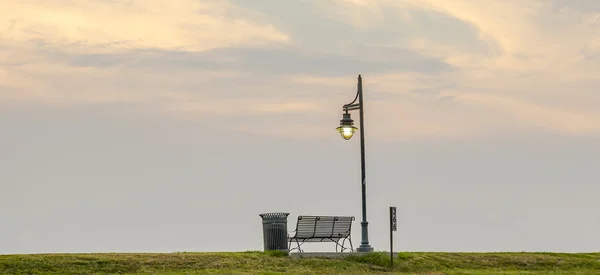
{"x":146,"y":125}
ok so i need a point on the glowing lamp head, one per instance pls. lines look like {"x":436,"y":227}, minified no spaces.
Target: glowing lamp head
{"x":346,"y":128}
{"x":347,"y":132}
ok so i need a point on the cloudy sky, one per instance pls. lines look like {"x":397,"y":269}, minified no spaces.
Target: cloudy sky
{"x":146,"y":125}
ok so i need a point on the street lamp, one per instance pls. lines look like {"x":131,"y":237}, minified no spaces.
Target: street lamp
{"x":347,"y":129}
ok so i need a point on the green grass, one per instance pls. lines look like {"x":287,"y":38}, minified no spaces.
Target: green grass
{"x":276,"y":263}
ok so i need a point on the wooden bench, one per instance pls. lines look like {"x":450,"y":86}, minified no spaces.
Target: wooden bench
{"x":322,"y":229}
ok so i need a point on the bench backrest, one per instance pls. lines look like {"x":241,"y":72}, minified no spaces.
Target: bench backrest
{"x":323,"y":227}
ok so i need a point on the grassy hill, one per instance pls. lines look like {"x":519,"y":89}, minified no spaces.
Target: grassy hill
{"x":274,"y":263}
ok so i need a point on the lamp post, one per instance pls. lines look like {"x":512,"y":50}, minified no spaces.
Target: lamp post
{"x":347,"y":129}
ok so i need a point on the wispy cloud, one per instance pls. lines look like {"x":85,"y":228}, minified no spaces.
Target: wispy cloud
{"x":119,"y":25}
{"x":512,"y":57}
{"x":446,"y":68}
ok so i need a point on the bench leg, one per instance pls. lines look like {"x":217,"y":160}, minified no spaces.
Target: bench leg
{"x":351,"y":247}
{"x":298,"y":244}
{"x":343,"y":245}
{"x":293,"y":248}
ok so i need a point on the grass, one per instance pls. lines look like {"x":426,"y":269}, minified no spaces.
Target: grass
{"x":277,"y":263}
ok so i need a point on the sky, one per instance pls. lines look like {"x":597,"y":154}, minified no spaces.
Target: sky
{"x":164,"y":126}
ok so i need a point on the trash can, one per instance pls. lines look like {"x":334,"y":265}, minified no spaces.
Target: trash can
{"x":275,"y":235}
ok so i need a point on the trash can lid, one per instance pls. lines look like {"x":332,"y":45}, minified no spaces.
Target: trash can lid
{"x":274,"y":215}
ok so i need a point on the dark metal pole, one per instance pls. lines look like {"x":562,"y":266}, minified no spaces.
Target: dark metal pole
{"x":364,"y":244}
{"x":392,"y":237}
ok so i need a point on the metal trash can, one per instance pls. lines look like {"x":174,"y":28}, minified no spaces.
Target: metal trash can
{"x":275,"y":235}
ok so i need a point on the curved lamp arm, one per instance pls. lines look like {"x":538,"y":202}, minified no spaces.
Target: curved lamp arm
{"x":352,"y":105}
{"x":346,"y":128}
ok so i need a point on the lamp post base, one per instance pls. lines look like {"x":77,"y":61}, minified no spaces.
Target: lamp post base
{"x":365,"y":248}
{"x":364,"y":244}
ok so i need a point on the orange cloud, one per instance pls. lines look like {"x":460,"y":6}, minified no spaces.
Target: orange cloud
{"x":537,"y":53}
{"x":117,"y":25}
{"x":514,"y":68}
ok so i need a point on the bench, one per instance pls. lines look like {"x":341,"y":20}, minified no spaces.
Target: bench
{"x":322,"y":229}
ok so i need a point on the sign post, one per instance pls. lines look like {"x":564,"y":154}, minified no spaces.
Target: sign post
{"x":393,"y":227}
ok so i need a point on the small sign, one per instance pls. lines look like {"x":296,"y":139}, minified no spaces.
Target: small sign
{"x":393,"y":218}
{"x":393,"y":228}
